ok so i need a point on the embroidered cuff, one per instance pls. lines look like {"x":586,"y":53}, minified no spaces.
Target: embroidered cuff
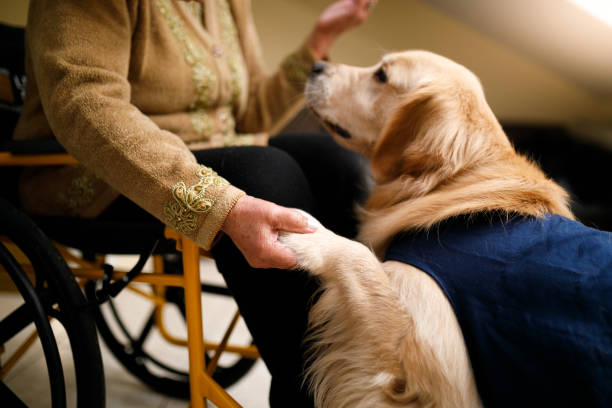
{"x":199,"y":211}
{"x":212,"y":224}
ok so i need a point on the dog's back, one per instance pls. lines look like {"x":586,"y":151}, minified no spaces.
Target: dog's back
{"x":533,"y":298}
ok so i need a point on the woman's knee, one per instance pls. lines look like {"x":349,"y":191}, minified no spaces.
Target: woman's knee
{"x":327,"y":165}
{"x":263,"y":172}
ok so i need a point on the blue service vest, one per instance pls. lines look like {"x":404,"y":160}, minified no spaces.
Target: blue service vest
{"x":533,"y":298}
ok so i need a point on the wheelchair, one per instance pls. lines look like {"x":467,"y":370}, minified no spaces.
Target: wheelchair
{"x":63,"y":275}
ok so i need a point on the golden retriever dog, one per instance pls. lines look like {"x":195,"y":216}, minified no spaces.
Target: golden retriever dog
{"x":384,"y":334}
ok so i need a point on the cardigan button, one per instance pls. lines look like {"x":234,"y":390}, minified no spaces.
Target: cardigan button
{"x":217,"y":51}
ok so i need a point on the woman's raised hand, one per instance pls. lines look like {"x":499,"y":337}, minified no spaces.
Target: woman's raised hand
{"x":339,"y":17}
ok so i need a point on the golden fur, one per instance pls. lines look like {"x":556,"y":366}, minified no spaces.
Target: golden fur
{"x":385,"y":335}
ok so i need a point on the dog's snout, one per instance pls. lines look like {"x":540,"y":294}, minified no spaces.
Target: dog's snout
{"x":318,"y":68}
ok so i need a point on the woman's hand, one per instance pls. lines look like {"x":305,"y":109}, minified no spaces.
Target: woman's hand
{"x":335,"y":20}
{"x":254,"y":224}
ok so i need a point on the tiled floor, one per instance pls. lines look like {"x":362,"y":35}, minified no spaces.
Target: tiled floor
{"x":28,"y":379}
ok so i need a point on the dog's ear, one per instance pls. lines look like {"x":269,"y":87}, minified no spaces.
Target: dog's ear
{"x":394,"y":153}
{"x":425,"y":139}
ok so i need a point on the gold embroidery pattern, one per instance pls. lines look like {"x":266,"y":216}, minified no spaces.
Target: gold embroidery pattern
{"x":206,"y":122}
{"x":189,"y":202}
{"x":229,"y":36}
{"x":78,"y":195}
{"x":242,"y":139}
{"x":297,"y":67}
{"x":196,"y":9}
{"x":203,"y":77}
{"x":201,"y":122}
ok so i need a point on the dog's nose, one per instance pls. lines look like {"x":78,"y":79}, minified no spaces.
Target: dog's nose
{"x":318,"y":68}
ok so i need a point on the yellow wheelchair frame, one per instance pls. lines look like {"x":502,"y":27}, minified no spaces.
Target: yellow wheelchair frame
{"x":202,"y":386}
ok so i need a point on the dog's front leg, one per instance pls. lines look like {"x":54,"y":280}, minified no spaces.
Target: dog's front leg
{"x":357,"y":324}
{"x":366,"y":347}
{"x":346,"y":265}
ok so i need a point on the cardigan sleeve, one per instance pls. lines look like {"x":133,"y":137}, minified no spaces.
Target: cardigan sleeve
{"x":80,"y":55}
{"x":271,"y":97}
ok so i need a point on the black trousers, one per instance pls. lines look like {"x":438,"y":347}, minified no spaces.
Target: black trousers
{"x":306,"y":171}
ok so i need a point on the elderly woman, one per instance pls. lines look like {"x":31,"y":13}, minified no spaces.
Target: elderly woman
{"x":166,"y":106}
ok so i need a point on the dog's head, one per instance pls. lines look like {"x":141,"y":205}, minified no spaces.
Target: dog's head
{"x":413,"y":114}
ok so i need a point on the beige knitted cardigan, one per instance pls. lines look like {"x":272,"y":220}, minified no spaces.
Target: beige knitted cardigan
{"x":129,"y":87}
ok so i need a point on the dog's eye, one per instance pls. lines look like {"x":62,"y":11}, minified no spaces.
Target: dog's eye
{"x":380,"y":75}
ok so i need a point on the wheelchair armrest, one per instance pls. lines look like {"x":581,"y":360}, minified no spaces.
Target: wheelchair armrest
{"x":46,"y":152}
{"x":19,"y":147}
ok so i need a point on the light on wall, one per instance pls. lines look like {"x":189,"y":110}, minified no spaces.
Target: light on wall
{"x":602,"y":9}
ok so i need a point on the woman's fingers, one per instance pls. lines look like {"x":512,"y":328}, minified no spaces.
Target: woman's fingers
{"x":254,"y":224}
{"x":291,"y":220}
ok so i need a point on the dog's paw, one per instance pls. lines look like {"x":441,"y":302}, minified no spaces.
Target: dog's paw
{"x":308,"y":249}
{"x":311,"y":249}
{"x":323,"y":252}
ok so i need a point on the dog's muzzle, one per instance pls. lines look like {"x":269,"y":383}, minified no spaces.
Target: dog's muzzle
{"x":318,"y":68}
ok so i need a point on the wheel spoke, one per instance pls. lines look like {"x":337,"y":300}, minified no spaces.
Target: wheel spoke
{"x":124,"y":330}
{"x":15,"y":322}
{"x":182,"y":374}
{"x":137,"y":344}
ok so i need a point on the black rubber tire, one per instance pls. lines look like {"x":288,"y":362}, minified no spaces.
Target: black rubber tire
{"x":59,"y":296}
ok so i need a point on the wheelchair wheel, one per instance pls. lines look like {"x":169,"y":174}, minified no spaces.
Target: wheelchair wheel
{"x":166,"y":374}
{"x":50,"y":291}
